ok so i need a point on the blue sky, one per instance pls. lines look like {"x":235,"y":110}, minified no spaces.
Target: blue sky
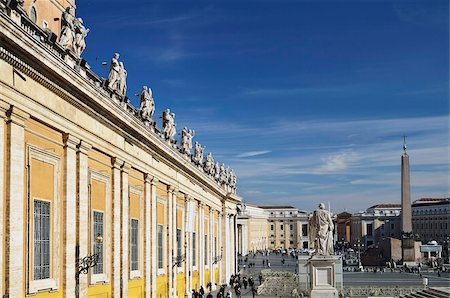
{"x":307,"y":100}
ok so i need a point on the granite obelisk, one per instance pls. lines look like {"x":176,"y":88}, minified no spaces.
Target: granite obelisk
{"x":408,"y":242}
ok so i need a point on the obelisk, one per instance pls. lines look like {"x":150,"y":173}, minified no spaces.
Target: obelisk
{"x":408,"y":242}
{"x":406,"y":193}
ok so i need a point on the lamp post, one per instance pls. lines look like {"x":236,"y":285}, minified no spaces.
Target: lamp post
{"x":359,"y":252}
{"x":90,"y":261}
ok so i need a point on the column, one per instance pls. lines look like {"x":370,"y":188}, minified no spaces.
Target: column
{"x":187,"y":251}
{"x":116,"y":210}
{"x":125,"y":227}
{"x":234,"y":258}
{"x":287,"y":233}
{"x":170,"y":241}
{"x":211,"y":245}
{"x":154,"y":264}
{"x":70,"y":209}
{"x":174,"y":242}
{"x":15,"y":187}
{"x":220,"y":246}
{"x":225,"y":245}
{"x":3,"y":108}
{"x":147,"y":237}
{"x":83,"y":211}
{"x":201,"y":241}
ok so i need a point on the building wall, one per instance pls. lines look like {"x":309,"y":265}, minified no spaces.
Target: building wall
{"x":431,"y":220}
{"x":67,"y":146}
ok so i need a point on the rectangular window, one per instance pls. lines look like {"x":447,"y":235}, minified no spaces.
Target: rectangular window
{"x":98,"y":246}
{"x":271,"y":227}
{"x":41,"y":240}
{"x":194,"y":250}
{"x":369,"y":229}
{"x":304,"y":229}
{"x":179,"y":251}
{"x":206,"y":249}
{"x":281,"y":227}
{"x":159,"y":232}
{"x":134,"y":244}
{"x":291,"y":227}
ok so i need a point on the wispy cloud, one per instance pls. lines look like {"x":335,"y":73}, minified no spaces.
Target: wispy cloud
{"x":253,"y":153}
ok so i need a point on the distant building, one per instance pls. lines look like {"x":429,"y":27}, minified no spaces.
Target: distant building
{"x":342,"y":228}
{"x":377,"y":222}
{"x":269,"y":227}
{"x":431,"y":218}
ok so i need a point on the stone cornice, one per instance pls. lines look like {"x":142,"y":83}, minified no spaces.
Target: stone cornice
{"x":99,"y":105}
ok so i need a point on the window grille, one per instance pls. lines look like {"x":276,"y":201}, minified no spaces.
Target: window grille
{"x":160,"y":246}
{"x":41,"y":240}
{"x":134,"y":244}
{"x":98,"y":247}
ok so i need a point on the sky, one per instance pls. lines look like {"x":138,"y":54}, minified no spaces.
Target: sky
{"x":308,"y":101}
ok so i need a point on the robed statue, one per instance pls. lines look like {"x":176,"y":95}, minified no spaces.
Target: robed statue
{"x":321,"y":231}
{"x":147,"y":106}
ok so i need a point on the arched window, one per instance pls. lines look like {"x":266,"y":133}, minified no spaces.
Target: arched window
{"x":33,"y":14}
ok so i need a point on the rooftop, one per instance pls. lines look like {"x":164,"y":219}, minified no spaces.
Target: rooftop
{"x":385,"y":206}
{"x":277,"y":207}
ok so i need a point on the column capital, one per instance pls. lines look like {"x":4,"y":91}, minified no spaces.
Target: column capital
{"x":116,"y":162}
{"x":84,"y":147}
{"x":201,"y":204}
{"x":4,"y":107}
{"x":17,"y":116}
{"x":70,"y":141}
{"x":172,"y":189}
{"x":188,"y":198}
{"x":126,"y":166}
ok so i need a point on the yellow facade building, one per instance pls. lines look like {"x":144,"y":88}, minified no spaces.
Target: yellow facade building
{"x":82,"y":175}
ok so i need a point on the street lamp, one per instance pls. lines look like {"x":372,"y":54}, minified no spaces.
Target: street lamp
{"x":359,"y":253}
{"x":92,"y":260}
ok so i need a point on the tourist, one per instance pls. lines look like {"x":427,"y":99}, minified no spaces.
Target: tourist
{"x":244,"y":281}
{"x":201,"y":292}
{"x":254,"y":292}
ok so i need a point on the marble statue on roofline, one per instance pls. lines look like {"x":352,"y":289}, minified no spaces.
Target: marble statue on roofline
{"x":321,"y":231}
{"x":73,"y":32}
{"x":122,"y":84}
{"x":169,"y":126}
{"x":222,"y":174}
{"x":198,"y":154}
{"x":208,"y":166}
{"x":113,"y":75}
{"x":67,"y":37}
{"x":232,"y":180}
{"x":80,"y":34}
{"x":186,"y":140}
{"x":217,"y":172}
{"x":147,"y":105}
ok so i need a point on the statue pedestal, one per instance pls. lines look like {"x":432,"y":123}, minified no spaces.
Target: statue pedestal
{"x":320,"y":276}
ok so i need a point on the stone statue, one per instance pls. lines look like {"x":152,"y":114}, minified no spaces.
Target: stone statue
{"x":122,"y":84}
{"x":321,"y":231}
{"x":169,"y":126}
{"x":147,"y":107}
{"x":67,"y":37}
{"x":232,"y":180}
{"x":222,"y":174}
{"x":198,"y":155}
{"x":80,"y":34}
{"x":217,"y":172}
{"x":113,"y":76}
{"x":208,"y":167}
{"x":186,"y":140}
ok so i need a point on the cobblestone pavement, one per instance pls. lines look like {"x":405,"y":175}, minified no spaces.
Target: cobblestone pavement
{"x":351,"y":279}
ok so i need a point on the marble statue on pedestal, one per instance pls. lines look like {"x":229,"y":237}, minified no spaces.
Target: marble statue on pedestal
{"x":208,"y":167}
{"x":186,"y":140}
{"x":147,"y":106}
{"x":217,"y":172}
{"x":113,"y":76}
{"x":198,"y":154}
{"x":321,"y":231}
{"x":80,"y":34}
{"x":67,"y":37}
{"x":222,"y":174}
{"x":169,"y":126}
{"x":232,"y":180}
{"x":122,"y":84}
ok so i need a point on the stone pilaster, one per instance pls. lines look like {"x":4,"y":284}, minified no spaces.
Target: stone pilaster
{"x":174,"y":242}
{"x":125,"y":228}
{"x":3,"y":108}
{"x":70,"y":208}
{"x":147,"y":237}
{"x":154,"y":264}
{"x":201,"y":237}
{"x":287,"y":234}
{"x":211,"y":245}
{"x":15,"y":194}
{"x":220,"y":246}
{"x":116,"y":223}
{"x":188,"y":252}
{"x":170,"y":267}
{"x":83,"y":211}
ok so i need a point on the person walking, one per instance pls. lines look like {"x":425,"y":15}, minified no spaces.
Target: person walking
{"x":201,"y":292}
{"x":260,"y":278}
{"x":254,"y":292}
{"x":244,"y":281}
